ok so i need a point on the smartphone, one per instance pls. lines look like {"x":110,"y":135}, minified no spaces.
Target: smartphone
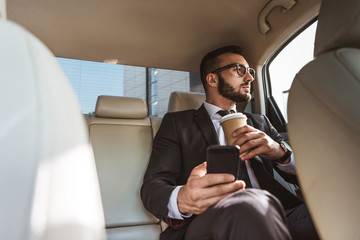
{"x":223,"y":159}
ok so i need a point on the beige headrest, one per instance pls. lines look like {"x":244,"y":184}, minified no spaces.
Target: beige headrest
{"x":120,"y":107}
{"x":179,"y":101}
{"x":339,"y":26}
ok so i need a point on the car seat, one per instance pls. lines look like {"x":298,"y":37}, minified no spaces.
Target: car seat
{"x":48,"y":181}
{"x":324,"y":119}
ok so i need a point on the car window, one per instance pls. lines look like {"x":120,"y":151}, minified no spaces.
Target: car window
{"x":287,"y":63}
{"x":91,"y":79}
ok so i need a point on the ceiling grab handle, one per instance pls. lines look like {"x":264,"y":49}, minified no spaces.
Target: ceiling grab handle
{"x":286,"y":5}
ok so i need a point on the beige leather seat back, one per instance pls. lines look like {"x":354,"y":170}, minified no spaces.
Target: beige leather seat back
{"x":324,"y":117}
{"x":121,"y":135}
{"x":48,"y":182}
{"x":180,"y":101}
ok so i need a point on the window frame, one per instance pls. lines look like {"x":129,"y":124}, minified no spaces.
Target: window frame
{"x":272,"y":109}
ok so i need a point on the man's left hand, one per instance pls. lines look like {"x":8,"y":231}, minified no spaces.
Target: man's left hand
{"x":257,"y":142}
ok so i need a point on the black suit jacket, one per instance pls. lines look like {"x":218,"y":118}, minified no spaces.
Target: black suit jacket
{"x":180,"y":145}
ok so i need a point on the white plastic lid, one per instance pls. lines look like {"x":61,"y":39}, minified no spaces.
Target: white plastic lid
{"x":232,"y":116}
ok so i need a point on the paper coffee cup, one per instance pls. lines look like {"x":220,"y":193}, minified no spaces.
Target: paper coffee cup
{"x":230,"y":123}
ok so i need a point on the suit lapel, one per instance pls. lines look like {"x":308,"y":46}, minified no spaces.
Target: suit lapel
{"x":202,"y":119}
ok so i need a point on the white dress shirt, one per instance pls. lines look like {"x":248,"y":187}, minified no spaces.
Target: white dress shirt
{"x":212,"y":110}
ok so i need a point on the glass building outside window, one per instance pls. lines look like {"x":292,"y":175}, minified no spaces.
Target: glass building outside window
{"x":91,"y":79}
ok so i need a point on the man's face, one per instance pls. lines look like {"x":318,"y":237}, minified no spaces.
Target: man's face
{"x":231,"y":85}
{"x":229,"y":92}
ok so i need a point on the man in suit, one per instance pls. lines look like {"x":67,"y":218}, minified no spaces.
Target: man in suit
{"x":196,"y":205}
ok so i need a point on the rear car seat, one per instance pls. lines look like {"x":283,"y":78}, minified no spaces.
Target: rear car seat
{"x":121,"y":134}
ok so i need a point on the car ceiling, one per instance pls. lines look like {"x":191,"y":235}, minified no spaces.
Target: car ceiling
{"x":165,"y":34}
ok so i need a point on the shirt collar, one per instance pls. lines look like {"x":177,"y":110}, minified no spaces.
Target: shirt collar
{"x":213,"y":109}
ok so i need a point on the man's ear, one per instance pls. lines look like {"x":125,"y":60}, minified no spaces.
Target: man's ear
{"x":212,"y":80}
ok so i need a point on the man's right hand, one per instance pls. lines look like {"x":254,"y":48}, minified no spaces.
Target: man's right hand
{"x":204,"y":190}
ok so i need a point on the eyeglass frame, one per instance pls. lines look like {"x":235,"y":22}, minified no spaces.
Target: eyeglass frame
{"x":237,"y":69}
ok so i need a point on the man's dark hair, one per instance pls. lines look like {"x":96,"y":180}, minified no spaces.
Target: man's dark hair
{"x":211,"y":62}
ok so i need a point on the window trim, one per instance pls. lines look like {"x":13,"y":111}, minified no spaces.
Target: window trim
{"x":266,"y":73}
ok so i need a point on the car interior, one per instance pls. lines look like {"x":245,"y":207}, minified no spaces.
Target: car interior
{"x":69,"y":174}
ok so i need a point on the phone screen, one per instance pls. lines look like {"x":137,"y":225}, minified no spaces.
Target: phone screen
{"x":223,"y":159}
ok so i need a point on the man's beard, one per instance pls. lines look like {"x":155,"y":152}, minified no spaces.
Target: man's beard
{"x":227,"y":91}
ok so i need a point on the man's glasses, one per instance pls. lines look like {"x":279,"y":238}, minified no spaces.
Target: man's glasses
{"x":240,"y":68}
